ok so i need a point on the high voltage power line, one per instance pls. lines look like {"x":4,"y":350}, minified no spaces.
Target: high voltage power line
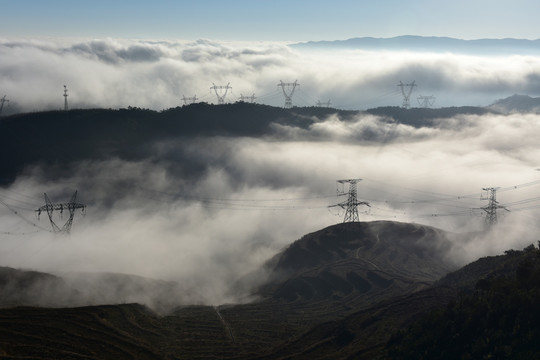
{"x":15,"y":212}
{"x":70,"y":207}
{"x":17,"y":202}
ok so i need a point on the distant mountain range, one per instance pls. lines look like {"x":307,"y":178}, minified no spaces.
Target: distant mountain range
{"x":430,"y":44}
{"x":517,"y":104}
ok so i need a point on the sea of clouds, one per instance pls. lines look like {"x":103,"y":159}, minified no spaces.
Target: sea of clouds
{"x":252,"y":197}
{"x":113,"y":73}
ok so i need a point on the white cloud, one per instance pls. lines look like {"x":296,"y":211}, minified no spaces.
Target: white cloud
{"x":120,"y":73}
{"x":219,"y":222}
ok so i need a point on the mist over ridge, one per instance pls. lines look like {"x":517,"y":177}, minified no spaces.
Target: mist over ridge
{"x":116,"y":73}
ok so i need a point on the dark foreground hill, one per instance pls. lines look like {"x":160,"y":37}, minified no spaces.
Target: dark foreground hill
{"x":337,"y":293}
{"x":360,"y":263}
{"x":500,"y":319}
{"x":312,"y":307}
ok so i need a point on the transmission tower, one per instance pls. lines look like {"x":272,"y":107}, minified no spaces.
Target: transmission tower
{"x":426,"y":101}
{"x":351,"y":204}
{"x":220,"y":94}
{"x":288,"y":95}
{"x":2,"y":101}
{"x":324,"y":104}
{"x":189,"y":100}
{"x":406,"y":93}
{"x":70,"y":206}
{"x":65,"y":98}
{"x":250,"y":99}
{"x":493,"y":205}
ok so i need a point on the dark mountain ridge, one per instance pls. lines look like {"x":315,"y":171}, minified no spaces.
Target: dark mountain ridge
{"x":58,"y":140}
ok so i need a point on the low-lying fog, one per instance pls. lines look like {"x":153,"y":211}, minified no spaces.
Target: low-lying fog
{"x":257,"y":195}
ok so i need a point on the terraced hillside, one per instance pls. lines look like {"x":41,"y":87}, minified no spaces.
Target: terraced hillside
{"x":105,"y":332}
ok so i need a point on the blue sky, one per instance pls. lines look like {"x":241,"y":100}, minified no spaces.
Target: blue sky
{"x":268,"y":20}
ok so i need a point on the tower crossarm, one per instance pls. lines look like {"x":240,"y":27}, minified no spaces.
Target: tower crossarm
{"x":351,"y":204}
{"x":288,"y":96}
{"x":70,"y":207}
{"x":60,"y":207}
{"x":284,"y":85}
{"x":189,"y":100}
{"x":220,"y":97}
{"x":406,"y":94}
{"x":492,"y":207}
{"x":426,"y":101}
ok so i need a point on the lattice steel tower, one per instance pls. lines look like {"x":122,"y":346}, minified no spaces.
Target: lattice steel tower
{"x":65,"y":98}
{"x":406,"y":93}
{"x":249,"y":99}
{"x":493,"y":205}
{"x":324,"y":104}
{"x":221,"y":95}
{"x":426,"y":101}
{"x":70,"y":206}
{"x":189,"y":100}
{"x":351,"y":204}
{"x":2,"y":101}
{"x":288,"y":95}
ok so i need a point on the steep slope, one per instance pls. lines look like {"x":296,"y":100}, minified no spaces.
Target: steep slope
{"x":490,"y":267}
{"x":365,"y":333}
{"x":497,"y":321}
{"x":487,"y":308}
